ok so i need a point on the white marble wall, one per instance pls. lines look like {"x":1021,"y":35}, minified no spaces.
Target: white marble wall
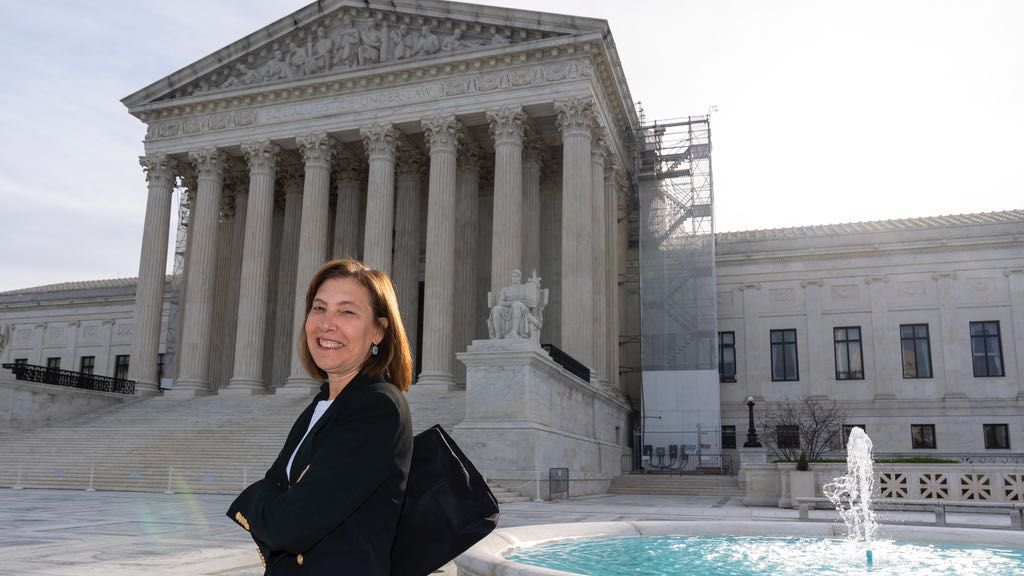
{"x":525,"y":415}
{"x":913,"y":277}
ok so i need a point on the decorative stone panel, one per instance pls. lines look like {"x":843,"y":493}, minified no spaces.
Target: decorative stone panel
{"x":1013,"y":487}
{"x":975,"y":487}
{"x":892,"y":485}
{"x":934,"y":486}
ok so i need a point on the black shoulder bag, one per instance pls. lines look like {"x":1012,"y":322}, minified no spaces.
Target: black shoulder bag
{"x":448,"y":507}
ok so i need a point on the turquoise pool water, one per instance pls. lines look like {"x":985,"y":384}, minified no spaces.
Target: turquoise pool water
{"x":767,"y":556}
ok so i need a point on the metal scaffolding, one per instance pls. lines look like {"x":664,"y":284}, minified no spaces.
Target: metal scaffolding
{"x":680,"y":397}
{"x":677,"y":249}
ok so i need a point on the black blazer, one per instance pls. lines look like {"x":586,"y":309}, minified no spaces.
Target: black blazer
{"x":340,"y":517}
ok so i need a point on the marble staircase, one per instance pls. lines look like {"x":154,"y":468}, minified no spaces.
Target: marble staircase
{"x":209,"y":444}
{"x":678,"y":485}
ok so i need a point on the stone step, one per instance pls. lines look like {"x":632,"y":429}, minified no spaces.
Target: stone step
{"x":213,"y":443}
{"x":676,"y":485}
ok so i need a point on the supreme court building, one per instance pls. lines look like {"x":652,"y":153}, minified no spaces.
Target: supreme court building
{"x":446,"y":144}
{"x":451,"y":144}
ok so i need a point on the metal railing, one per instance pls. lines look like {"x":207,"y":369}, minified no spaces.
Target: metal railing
{"x":80,"y":380}
{"x":572,"y":365}
{"x":679,"y":462}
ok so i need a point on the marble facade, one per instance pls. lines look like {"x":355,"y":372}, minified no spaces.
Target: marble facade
{"x":381,"y":117}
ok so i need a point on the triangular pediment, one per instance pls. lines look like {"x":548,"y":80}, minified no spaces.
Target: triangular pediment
{"x":328,"y":38}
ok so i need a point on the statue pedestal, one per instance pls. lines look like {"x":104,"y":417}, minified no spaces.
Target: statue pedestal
{"x":526,"y":414}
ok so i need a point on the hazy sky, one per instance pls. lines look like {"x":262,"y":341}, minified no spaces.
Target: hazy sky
{"x":827,"y":111}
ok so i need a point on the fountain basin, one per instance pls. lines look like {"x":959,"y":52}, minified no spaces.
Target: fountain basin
{"x":488,"y":557}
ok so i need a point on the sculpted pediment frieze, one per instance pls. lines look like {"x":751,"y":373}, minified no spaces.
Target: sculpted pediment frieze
{"x":352,"y":39}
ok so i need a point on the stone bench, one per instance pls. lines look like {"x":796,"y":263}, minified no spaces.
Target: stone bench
{"x":938,"y":507}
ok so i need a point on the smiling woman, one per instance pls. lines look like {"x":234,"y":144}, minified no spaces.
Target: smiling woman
{"x":332,"y":498}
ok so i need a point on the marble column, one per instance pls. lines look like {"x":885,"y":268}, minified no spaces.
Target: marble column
{"x":290,"y":178}
{"x":316,"y":150}
{"x":227,"y":286}
{"x":532,"y":164}
{"x":599,"y":247}
{"x":247,"y":375}
{"x":348,"y":171}
{"x":467,"y":226}
{"x":615,"y":183}
{"x":442,"y":135}
{"x":950,"y":330}
{"x":149,"y":295}
{"x":193,"y":370}
{"x":380,"y":141}
{"x":406,"y":263}
{"x":1015,"y":278}
{"x":575,"y":117}
{"x":506,"y":126}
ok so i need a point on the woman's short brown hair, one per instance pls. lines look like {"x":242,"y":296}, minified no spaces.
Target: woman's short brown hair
{"x":393,"y":362}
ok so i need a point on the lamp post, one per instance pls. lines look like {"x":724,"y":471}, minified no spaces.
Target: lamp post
{"x":752,"y":441}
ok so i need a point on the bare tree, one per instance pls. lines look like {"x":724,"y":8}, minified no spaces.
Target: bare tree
{"x":806,"y":425}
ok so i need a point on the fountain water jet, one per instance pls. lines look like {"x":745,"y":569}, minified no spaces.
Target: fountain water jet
{"x":851,"y":494}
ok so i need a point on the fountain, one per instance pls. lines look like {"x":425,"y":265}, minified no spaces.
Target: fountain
{"x":679,"y":548}
{"x":851,"y":494}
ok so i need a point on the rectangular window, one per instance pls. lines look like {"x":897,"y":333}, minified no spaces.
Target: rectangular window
{"x":849,"y":355}
{"x":20,"y":361}
{"x":923,"y":435}
{"x":997,"y":436}
{"x":986,"y":349}
{"x":727,"y":356}
{"x":784,"y":355}
{"x":728,"y":437}
{"x":121,"y":366}
{"x":917,"y":352}
{"x":847,"y":428}
{"x":87,"y":364}
{"x":787,"y":435}
{"x":53,"y":363}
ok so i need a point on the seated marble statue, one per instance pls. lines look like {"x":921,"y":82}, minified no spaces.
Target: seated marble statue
{"x":517,"y":311}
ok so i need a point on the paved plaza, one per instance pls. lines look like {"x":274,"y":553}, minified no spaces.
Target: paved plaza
{"x":65,"y":533}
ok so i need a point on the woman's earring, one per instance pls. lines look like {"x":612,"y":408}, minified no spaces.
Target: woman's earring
{"x":374,"y":350}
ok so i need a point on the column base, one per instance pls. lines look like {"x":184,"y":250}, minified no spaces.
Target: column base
{"x":242,"y":387}
{"x":440,"y":379}
{"x":184,"y":389}
{"x":298,"y":386}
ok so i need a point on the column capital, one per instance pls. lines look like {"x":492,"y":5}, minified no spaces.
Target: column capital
{"x":261,"y":155}
{"x":226,"y":210}
{"x":443,"y":132}
{"x":507,"y":124}
{"x":380,"y":140}
{"x":208,"y":162}
{"x":469,"y":155}
{"x":409,"y":161}
{"x":316,"y":148}
{"x":349,"y":165}
{"x":159,"y":167}
{"x":575,"y":115}
{"x":533,"y":146}
{"x":289,"y":177}
{"x":599,"y":144}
